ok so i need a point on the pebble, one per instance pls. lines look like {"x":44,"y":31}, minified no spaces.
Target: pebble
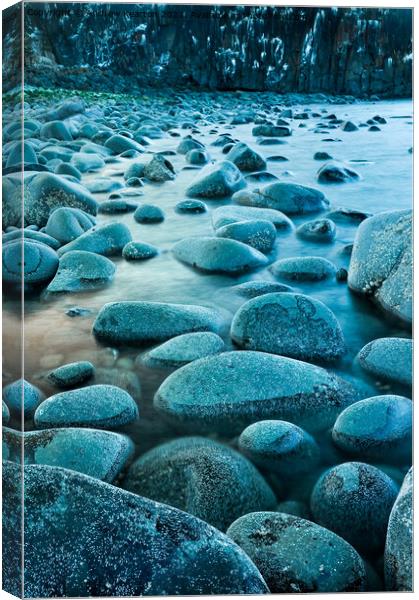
{"x":139,"y":251}
{"x":13,"y":393}
{"x":99,"y":406}
{"x":303,"y":268}
{"x":183,"y":349}
{"x":191,"y":207}
{"x":107,"y":240}
{"x":160,"y":550}
{"x":225,"y":484}
{"x":279,"y":447}
{"x":216,"y":394}
{"x":217,"y":181}
{"x":354,"y":500}
{"x":297,"y":556}
{"x":71,"y":374}
{"x":99,"y":454}
{"x":79,"y":270}
{"x":377,"y":428}
{"x":288,"y":324}
{"x":141,"y":323}
{"x":320,"y":230}
{"x":149,"y":213}
{"x":218,"y":255}
{"x":388,"y":359}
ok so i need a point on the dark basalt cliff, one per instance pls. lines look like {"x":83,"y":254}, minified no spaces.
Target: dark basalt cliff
{"x":117,"y":47}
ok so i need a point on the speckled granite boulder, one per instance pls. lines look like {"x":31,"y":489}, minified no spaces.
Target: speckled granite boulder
{"x":135,"y":546}
{"x":79,"y":270}
{"x":66,"y":224}
{"x":258,"y":234}
{"x":216,"y":181}
{"x":99,"y":454}
{"x":377,"y":428}
{"x":289,"y":324}
{"x":142,"y":323}
{"x":139,"y":251}
{"x":100,"y":406}
{"x":354,"y":500}
{"x":201,"y":477}
{"x":35,"y":261}
{"x":296,"y":555}
{"x":218,"y":255}
{"x":183,"y":349}
{"x":381,"y":263}
{"x":108,"y":240}
{"x":388,"y":359}
{"x":217,"y":394}
{"x":398,"y":554}
{"x":159,"y":169}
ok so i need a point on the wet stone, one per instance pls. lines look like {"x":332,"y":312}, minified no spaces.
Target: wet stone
{"x":35,"y":261}
{"x":149,"y":214}
{"x":107,"y":240}
{"x":19,"y":390}
{"x":336,"y":173}
{"x":320,"y":230}
{"x":216,"y":181}
{"x":290,"y":198}
{"x":388,"y":359}
{"x":139,"y":251}
{"x":183,"y":349}
{"x":304,"y":268}
{"x":253,"y":289}
{"x":191,"y":207}
{"x":260,"y":235}
{"x":71,"y":374}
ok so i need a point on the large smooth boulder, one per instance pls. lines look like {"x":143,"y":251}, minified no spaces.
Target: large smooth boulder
{"x":84,"y":538}
{"x":37,"y":263}
{"x":79,"y":270}
{"x":108,"y":240}
{"x":19,"y":390}
{"x":57,"y":130}
{"x":218,"y":255}
{"x":381,"y":263}
{"x":388,"y":359}
{"x":398,"y":554}
{"x":217,"y":181}
{"x":201,"y":477}
{"x":297,"y":556}
{"x":290,"y":198}
{"x":258,"y":234}
{"x":66,"y":224}
{"x":288,"y":324}
{"x":229,"y":391}
{"x":141,"y":323}
{"x":97,"y":453}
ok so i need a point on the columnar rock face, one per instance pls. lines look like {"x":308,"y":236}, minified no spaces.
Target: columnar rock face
{"x":340,"y":50}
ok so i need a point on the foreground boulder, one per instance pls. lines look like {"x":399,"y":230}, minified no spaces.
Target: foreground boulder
{"x":398,"y":554}
{"x":225,"y":393}
{"x":218,"y":255}
{"x":79,"y":270}
{"x":296,"y":555}
{"x":288,"y":324}
{"x":115,"y":543}
{"x":290,"y":198}
{"x":33,"y":261}
{"x":217,"y":181}
{"x":388,"y":359}
{"x":107,"y":240}
{"x":201,"y":477}
{"x":142,"y":323}
{"x":381,"y":263}
{"x":66,"y":224}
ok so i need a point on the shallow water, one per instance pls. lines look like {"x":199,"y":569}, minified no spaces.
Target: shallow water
{"x":52,"y":338}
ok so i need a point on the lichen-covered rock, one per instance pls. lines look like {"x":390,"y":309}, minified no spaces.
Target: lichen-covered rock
{"x":388,"y":359}
{"x":260,"y":235}
{"x":66,"y":224}
{"x":290,"y":198}
{"x":107,"y":240}
{"x":72,"y":374}
{"x":354,"y":500}
{"x":100,"y":406}
{"x":398,"y":554}
{"x":290,"y":325}
{"x":381,"y":263}
{"x":142,"y":323}
{"x":245,"y":158}
{"x":183,"y":349}
{"x":217,"y":394}
{"x":225,"y":215}
{"x":36,"y":262}
{"x":97,"y":453}
{"x":217,"y":181}
{"x":303,"y":268}
{"x":377,"y":428}
{"x":202,"y":477}
{"x":280,"y":447}
{"x":218,"y":255}
{"x":296,"y":555}
{"x":132,"y":546}
{"x":79,"y":270}
{"x":320,"y":230}
{"x":19,"y":390}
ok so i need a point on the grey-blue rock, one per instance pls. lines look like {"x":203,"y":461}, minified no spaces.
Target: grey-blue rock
{"x":225,"y":484}
{"x":99,"y":406}
{"x":319,"y":230}
{"x":141,"y":323}
{"x":280,"y":447}
{"x":348,"y":215}
{"x":97,"y":453}
{"x":191,"y":206}
{"x":197,"y":157}
{"x":67,"y":169}
{"x":334,"y":172}
{"x":225,"y":215}
{"x":288,"y":324}
{"x":354,"y":500}
{"x":19,"y":390}
{"x":381,"y":263}
{"x":36,"y":236}
{"x":149,"y":213}
{"x":290,"y":198}
{"x":260,"y":235}
{"x":116,"y":206}
{"x":183,"y":349}
{"x":87,"y":161}
{"x":303,"y":268}
{"x":120,"y":143}
{"x":71,"y":374}
{"x":107,"y":240}
{"x":216,"y":181}
{"x":217,"y":394}
{"x":388,"y":359}
{"x":139,"y":251}
{"x":252,"y":289}
{"x":21,"y":153}
{"x":79,"y":270}
{"x":270,"y":130}
{"x":189,"y":143}
{"x":57,"y":130}
{"x":138,"y":546}
{"x":5,"y":413}
{"x":67,"y":224}
{"x":377,"y":428}
{"x":99,"y":185}
{"x":37,"y":263}
{"x":398,"y":553}
{"x":218,"y":255}
{"x":297,"y":556}
{"x":245,"y":158}
{"x":159,"y":169}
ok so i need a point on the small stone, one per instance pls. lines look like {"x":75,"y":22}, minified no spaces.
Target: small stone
{"x":303,"y":268}
{"x":183,"y":349}
{"x":389,"y":359}
{"x":71,"y":374}
{"x":253,"y":289}
{"x":139,"y":251}
{"x":149,"y":213}
{"x":19,"y":390}
{"x":322,"y":156}
{"x":320,"y":230}
{"x":191,"y":207}
{"x":334,"y":172}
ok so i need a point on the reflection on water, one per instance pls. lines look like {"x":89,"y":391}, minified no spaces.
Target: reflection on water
{"x":53,"y":338}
